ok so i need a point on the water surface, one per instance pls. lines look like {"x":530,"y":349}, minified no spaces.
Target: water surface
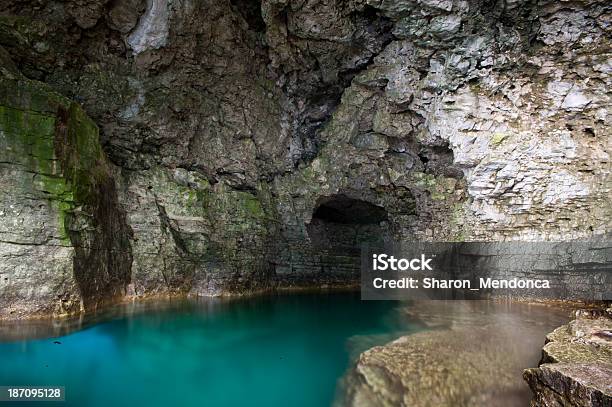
{"x":280,"y":350}
{"x":286,"y":350}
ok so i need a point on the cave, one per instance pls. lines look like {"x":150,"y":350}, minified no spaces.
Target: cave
{"x":342,"y":225}
{"x":250,"y":10}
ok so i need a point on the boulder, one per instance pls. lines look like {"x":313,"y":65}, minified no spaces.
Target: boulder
{"x":576,"y":366}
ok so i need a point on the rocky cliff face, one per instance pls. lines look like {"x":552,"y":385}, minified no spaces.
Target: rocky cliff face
{"x":242,"y":135}
{"x":65,"y":244}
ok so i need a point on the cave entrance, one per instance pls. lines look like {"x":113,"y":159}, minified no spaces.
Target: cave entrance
{"x":341,"y":225}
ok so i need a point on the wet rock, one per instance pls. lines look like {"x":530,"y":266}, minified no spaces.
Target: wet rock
{"x":193,"y":237}
{"x":463,"y":120}
{"x":152,"y":29}
{"x":124,"y":14}
{"x":470,"y":357}
{"x":576,"y":366}
{"x":86,"y":13}
{"x":64,"y":241}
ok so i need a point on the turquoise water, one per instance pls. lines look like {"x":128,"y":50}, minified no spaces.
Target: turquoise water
{"x":288,"y":350}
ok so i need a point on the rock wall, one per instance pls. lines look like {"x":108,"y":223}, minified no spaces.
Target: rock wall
{"x":228,"y":123}
{"x":65,"y":245}
{"x":194,"y":237}
{"x":475,"y":121}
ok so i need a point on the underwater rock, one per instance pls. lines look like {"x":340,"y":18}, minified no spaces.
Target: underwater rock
{"x":472,"y":355}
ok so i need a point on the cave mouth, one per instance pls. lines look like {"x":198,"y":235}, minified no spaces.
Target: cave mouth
{"x":251,"y":12}
{"x":342,"y":224}
{"x":345,"y":210}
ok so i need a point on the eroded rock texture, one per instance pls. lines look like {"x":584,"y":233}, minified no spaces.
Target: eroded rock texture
{"x":471,"y":355}
{"x":576,"y":364}
{"x":229,"y":124}
{"x":65,"y":244}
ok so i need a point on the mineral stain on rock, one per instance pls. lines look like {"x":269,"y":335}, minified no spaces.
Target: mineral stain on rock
{"x":67,"y":218}
{"x":152,"y":29}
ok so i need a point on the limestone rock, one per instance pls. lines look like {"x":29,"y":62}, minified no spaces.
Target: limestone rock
{"x":152,"y":29}
{"x":124,"y":14}
{"x":463,"y":120}
{"x":576,"y":366}
{"x":470,"y":356}
{"x":59,"y":216}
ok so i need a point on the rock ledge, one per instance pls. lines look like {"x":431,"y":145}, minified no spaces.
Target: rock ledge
{"x":576,"y":366}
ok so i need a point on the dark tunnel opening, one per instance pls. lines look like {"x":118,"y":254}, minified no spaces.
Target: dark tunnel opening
{"x":341,"y":225}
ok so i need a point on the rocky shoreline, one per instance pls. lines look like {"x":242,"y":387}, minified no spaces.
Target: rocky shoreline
{"x":471,"y":354}
{"x":164,"y":149}
{"x":473,"y":358}
{"x":576,"y":365}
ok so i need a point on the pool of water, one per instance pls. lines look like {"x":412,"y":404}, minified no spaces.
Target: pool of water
{"x":285,"y":350}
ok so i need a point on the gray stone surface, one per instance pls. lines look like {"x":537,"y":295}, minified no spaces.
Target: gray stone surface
{"x":463,"y":120}
{"x":152,"y":29}
{"x":471,"y":355}
{"x":571,"y":270}
{"x":64,"y":241}
{"x":576,"y":366}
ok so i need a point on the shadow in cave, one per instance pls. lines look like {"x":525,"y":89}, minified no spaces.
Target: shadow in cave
{"x":251,"y":12}
{"x":341,"y":225}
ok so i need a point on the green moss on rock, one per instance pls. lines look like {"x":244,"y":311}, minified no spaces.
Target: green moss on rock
{"x":498,"y":138}
{"x":53,"y":139}
{"x":438,"y":187}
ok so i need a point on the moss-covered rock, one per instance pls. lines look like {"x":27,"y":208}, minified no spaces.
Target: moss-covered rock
{"x":194,"y":237}
{"x":59,"y":211}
